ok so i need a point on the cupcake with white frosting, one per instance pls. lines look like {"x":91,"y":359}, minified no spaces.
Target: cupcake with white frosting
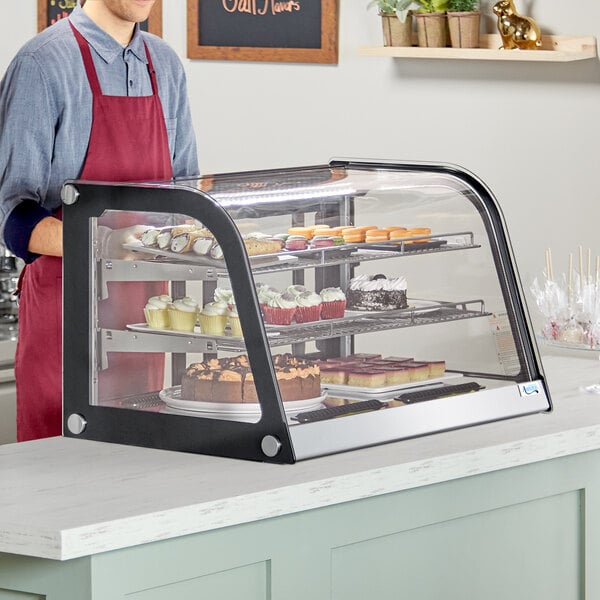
{"x":183,"y":314}
{"x":157,"y":313}
{"x":333,"y":303}
{"x":308,"y":307}
{"x":213,"y":318}
{"x":233,"y":319}
{"x":280,"y":309}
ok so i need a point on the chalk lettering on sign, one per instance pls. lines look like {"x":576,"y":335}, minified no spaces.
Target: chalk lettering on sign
{"x":253,"y":7}
{"x":59,"y":16}
{"x":66,"y":4}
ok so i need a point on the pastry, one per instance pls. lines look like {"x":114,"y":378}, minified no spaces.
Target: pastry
{"x":308,"y":307}
{"x":296,"y":242}
{"x":280,"y":309}
{"x":321,"y":241}
{"x":306,"y":232}
{"x":353,"y":235}
{"x":295,"y":290}
{"x":230,"y":380}
{"x":149,"y":237}
{"x":234,"y":321}
{"x":156,"y":311}
{"x":333,"y":303}
{"x":376,"y":235}
{"x":183,"y":314}
{"x":376,"y":292}
{"x":202,"y":245}
{"x":268,"y":245}
{"x":213,"y":318}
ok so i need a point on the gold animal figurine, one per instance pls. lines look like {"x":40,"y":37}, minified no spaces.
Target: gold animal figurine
{"x":517,"y":31}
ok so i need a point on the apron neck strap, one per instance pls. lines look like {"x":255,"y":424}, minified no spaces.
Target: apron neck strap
{"x":88,"y":62}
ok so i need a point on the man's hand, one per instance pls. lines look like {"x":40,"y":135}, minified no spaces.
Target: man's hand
{"x":112,"y":240}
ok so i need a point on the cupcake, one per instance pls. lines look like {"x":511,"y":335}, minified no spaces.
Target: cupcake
{"x":308,"y":307}
{"x":265,"y":293}
{"x":183,"y":314}
{"x":234,"y":321}
{"x":280,"y":309}
{"x":156,"y":311}
{"x":213,"y":318}
{"x":333,"y":303}
{"x":223,"y":295}
{"x":296,"y":290}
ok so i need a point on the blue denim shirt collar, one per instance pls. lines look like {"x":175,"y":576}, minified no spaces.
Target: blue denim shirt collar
{"x":103,"y":44}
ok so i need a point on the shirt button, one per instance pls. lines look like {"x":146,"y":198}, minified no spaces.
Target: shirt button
{"x":130,"y":82}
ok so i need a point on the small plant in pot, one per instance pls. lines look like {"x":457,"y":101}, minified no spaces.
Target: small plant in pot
{"x":463,"y":23}
{"x":431,"y":23}
{"x":396,"y":21}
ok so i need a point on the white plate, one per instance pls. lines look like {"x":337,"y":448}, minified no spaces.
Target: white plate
{"x":422,"y":306}
{"x":337,"y":389}
{"x":192,"y":257}
{"x":172,"y":397}
{"x":145,"y":328}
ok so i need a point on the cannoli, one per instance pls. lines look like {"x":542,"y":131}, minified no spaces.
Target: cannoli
{"x":184,"y":242}
{"x":164,"y":238}
{"x":149,"y":237}
{"x":202,"y":245}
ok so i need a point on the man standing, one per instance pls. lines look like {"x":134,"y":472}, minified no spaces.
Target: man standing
{"x":92,"y":97}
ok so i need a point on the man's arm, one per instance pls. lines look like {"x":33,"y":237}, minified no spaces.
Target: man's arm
{"x":46,"y":237}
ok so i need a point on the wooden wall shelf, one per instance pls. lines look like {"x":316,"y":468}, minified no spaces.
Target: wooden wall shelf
{"x":556,"y":48}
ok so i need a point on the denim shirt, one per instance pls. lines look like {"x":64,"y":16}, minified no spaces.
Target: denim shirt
{"x":46,"y":115}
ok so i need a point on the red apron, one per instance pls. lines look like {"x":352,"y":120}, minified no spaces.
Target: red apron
{"x":128,"y":142}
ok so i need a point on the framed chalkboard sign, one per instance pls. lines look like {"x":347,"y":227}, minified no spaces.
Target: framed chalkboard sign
{"x":50,"y":11}
{"x":263,"y":30}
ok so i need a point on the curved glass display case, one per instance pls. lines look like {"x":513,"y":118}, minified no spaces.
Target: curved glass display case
{"x":286,"y":314}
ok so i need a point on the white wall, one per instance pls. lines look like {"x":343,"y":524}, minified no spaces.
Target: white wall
{"x":529,"y":130}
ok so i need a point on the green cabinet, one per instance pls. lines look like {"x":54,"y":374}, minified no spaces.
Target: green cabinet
{"x":524,"y":533}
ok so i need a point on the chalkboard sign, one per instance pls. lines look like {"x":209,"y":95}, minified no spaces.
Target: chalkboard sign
{"x":50,"y":11}
{"x":263,"y":30}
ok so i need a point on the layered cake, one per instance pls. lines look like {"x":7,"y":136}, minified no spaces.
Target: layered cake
{"x":231,"y":380}
{"x":371,"y":370}
{"x":376,"y":292}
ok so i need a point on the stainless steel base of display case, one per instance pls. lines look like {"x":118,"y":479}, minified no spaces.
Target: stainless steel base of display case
{"x":403,"y":422}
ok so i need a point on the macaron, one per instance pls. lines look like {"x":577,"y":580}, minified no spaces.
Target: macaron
{"x":353,"y":235}
{"x":321,"y":241}
{"x":307,"y":232}
{"x":421,"y":232}
{"x":336,"y":231}
{"x":295,"y":242}
{"x":376,"y":235}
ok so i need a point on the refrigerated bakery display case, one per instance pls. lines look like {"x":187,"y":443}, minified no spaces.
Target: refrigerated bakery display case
{"x":286,"y":314}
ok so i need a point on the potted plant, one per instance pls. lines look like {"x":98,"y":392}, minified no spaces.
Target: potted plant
{"x":463,"y":23}
{"x":396,"y":21}
{"x":431,"y":23}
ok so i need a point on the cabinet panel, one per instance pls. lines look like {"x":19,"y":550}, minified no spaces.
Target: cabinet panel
{"x":526,"y":551}
{"x":11,"y":595}
{"x":249,"y":582}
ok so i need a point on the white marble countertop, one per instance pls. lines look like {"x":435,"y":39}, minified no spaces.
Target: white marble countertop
{"x":63,"y":498}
